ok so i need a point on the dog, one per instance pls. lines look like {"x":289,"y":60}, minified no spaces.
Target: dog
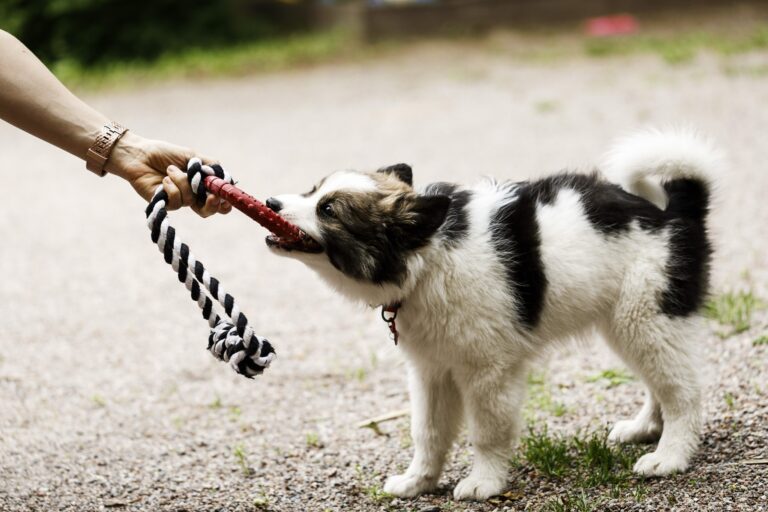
{"x":484,"y":278}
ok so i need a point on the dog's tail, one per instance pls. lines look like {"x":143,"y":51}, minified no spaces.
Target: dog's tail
{"x":673,"y":169}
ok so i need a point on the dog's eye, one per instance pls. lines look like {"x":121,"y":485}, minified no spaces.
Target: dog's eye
{"x":327,"y":209}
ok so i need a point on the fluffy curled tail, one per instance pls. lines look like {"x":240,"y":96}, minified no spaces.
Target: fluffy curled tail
{"x":684,"y":165}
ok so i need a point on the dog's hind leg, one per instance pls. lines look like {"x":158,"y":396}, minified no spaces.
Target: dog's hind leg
{"x":660,"y":349}
{"x":436,"y":413}
{"x":644,"y":428}
{"x":493,"y":399}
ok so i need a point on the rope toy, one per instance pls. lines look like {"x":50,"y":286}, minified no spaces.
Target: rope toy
{"x":231,"y":339}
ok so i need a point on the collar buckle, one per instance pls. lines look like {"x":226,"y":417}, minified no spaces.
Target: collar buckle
{"x":389,"y":315}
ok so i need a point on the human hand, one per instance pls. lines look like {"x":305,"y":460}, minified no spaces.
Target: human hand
{"x":145,"y":164}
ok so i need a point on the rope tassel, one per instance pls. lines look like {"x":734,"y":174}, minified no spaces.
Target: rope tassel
{"x":232,"y":339}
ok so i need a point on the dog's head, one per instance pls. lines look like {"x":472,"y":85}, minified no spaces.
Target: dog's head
{"x":369,"y":226}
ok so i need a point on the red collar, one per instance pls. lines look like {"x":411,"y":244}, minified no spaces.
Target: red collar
{"x":389,"y":315}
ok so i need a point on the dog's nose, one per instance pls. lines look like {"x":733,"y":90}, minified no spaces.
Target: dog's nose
{"x":274,"y":204}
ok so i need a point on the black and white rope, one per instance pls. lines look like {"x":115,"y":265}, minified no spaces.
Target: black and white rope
{"x":232,"y":339}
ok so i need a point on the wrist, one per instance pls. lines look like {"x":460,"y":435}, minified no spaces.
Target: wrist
{"x":101,"y":149}
{"x":127,"y":151}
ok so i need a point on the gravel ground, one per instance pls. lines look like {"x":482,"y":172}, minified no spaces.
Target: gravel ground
{"x":109,"y":399}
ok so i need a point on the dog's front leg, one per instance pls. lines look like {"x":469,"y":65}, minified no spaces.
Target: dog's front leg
{"x":493,"y":401}
{"x":435,"y":417}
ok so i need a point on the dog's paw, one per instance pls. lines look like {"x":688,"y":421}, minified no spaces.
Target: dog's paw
{"x":659,"y":464}
{"x":634,"y":431}
{"x":480,"y":489}
{"x":408,"y":486}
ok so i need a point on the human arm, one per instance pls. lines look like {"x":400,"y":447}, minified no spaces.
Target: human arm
{"x":34,"y":100}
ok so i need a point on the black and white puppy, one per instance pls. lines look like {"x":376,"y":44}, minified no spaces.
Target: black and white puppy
{"x":487,"y":276}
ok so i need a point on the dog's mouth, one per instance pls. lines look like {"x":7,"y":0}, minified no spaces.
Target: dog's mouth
{"x":304,"y":243}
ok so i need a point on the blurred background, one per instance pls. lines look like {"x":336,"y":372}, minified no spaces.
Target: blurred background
{"x":128,"y":411}
{"x":92,"y":41}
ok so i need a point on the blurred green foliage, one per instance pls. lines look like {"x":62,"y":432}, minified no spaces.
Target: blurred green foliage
{"x":681,"y":47}
{"x":94,"y":32}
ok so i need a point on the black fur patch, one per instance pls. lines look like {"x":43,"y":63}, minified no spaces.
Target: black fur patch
{"x":515,"y":223}
{"x":608,"y":207}
{"x":690,"y":249}
{"x":403,"y":172}
{"x":370,"y":236}
{"x":456,"y":224}
{"x":611,"y":210}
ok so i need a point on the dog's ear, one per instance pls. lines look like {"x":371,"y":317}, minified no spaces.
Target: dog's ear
{"x":418,"y":219}
{"x":403,"y":172}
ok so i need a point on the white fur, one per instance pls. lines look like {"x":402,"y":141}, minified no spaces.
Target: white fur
{"x":301,"y":210}
{"x":676,"y":153}
{"x":469,"y":357}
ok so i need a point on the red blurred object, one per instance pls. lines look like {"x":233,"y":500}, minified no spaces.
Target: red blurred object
{"x":614,"y":25}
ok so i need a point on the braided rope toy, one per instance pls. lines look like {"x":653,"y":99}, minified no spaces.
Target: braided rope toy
{"x":231,"y":339}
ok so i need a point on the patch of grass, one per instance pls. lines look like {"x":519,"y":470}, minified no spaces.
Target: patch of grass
{"x":261,"y":502}
{"x":242,"y":461}
{"x":733,"y":309}
{"x":588,"y":461}
{"x":234,"y":412}
{"x":550,"y":455}
{"x":749,"y":70}
{"x":578,"y":502}
{"x":358,"y":374}
{"x":376,"y":494}
{"x":216,"y":403}
{"x":99,"y":400}
{"x":370,"y":487}
{"x":540,"y":397}
{"x":639,"y":491}
{"x":546,"y":106}
{"x":313,"y":440}
{"x":449,"y":506}
{"x":612,"y":377}
{"x":603,"y":461}
{"x":559,"y":409}
{"x":762,"y":340}
{"x":679,"y":48}
{"x":268,"y":55}
{"x":730,"y":400}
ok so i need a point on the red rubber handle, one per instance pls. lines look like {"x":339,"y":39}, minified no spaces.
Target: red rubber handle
{"x":253,"y":208}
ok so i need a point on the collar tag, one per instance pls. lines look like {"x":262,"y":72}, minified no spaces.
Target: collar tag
{"x":389,"y":315}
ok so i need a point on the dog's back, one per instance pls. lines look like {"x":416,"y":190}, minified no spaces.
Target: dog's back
{"x":562,"y":245}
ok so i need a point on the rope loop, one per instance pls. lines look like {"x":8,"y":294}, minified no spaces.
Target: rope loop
{"x":231,"y":339}
{"x":196,"y":173}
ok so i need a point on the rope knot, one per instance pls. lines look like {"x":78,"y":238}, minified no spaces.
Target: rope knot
{"x":196,"y":173}
{"x":232,"y":339}
{"x":248,"y":358}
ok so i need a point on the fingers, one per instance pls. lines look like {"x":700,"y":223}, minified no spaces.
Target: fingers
{"x":180,"y":194}
{"x":179,"y":179}
{"x":174,"y":194}
{"x":224,"y":207}
{"x":210,"y":207}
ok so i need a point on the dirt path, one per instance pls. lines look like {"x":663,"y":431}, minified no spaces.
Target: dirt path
{"x":109,"y":400}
